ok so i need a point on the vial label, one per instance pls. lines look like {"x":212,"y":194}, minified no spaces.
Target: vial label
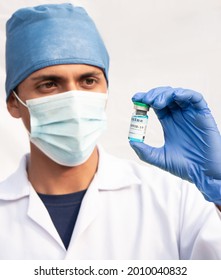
{"x":138,"y":128}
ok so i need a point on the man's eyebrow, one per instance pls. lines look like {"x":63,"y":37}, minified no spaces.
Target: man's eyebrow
{"x":91,"y":73}
{"x":45,"y":77}
{"x":57,"y":77}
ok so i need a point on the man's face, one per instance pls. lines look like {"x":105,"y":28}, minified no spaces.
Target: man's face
{"x":54,"y":80}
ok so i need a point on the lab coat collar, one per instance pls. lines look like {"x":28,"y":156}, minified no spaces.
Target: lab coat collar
{"x":16,"y":185}
{"x":112,"y":174}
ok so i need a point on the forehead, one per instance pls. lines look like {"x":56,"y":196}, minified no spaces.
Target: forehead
{"x":67,"y":70}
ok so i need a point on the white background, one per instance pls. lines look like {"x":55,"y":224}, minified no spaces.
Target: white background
{"x":151,"y":43}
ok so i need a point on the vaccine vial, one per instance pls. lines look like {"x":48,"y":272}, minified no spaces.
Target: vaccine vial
{"x":138,"y":122}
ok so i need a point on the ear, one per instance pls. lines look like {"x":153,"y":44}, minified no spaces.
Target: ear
{"x":13,"y":106}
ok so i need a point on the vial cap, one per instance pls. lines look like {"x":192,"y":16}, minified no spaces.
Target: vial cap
{"x":142,"y":105}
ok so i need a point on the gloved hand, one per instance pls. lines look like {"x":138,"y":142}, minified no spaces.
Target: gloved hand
{"x":192,"y":148}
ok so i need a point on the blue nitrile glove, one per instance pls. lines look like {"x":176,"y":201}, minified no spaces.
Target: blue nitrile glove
{"x":192,"y":148}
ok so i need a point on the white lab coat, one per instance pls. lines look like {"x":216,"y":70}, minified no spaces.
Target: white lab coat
{"x":128,"y":212}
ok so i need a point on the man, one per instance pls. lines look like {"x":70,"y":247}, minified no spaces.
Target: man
{"x":69,"y":199}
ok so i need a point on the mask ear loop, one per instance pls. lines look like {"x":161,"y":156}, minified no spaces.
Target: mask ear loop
{"x":23,"y":103}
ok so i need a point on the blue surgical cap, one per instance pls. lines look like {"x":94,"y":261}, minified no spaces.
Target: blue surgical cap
{"x":47,"y":35}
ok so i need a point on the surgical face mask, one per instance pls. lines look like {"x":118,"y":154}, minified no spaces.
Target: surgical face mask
{"x":66,"y":126}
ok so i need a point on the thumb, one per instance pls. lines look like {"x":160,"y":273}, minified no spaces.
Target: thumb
{"x":151,"y":155}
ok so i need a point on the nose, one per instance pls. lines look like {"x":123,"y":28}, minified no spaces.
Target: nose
{"x":71,"y":85}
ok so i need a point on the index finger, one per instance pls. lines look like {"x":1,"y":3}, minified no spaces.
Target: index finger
{"x":186,"y":96}
{"x":157,"y":98}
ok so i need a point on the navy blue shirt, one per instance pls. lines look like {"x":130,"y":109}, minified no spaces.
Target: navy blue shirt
{"x":63,"y":210}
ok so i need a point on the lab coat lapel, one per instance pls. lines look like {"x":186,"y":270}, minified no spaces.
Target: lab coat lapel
{"x":108,"y":178}
{"x":87,"y":214}
{"x":39,"y":214}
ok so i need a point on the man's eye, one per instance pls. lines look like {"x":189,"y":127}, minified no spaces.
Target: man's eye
{"x":48,"y":85}
{"x":89,"y":81}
